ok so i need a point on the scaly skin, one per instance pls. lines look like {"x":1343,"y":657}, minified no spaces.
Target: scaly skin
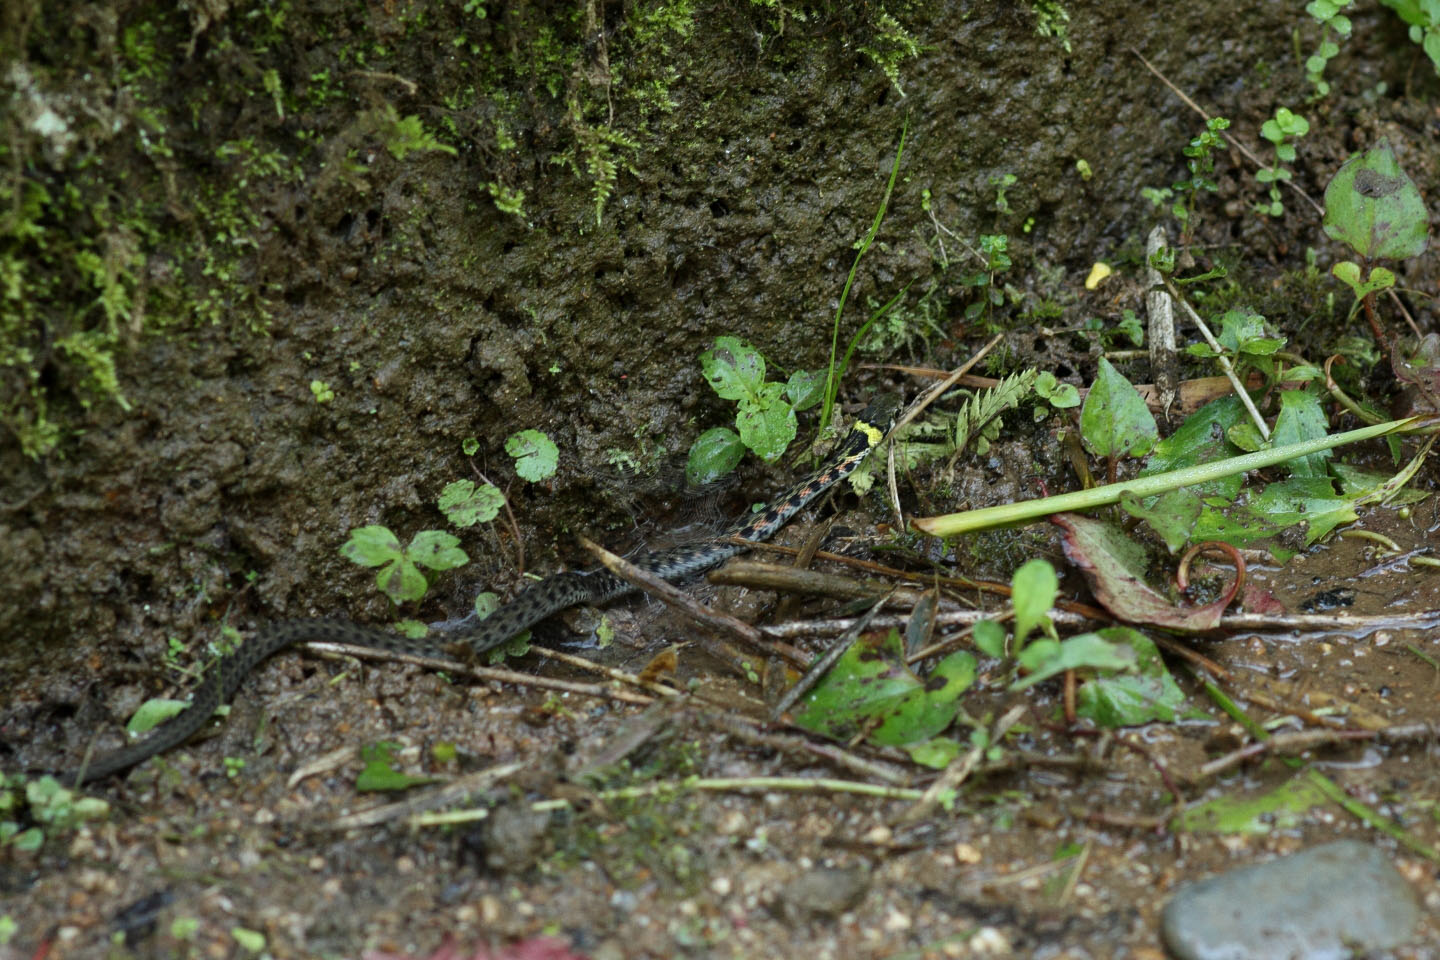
{"x":530,"y":607}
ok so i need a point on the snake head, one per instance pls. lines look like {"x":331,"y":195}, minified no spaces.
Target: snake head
{"x":881,"y":413}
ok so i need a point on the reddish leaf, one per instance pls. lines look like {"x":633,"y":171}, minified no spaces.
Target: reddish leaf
{"x":1107,"y":557}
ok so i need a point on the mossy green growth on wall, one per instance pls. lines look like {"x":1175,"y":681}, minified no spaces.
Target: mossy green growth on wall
{"x":65,"y":297}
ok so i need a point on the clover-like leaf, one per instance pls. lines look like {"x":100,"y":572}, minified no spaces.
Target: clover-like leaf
{"x":535,"y":454}
{"x":465,"y":504}
{"x":371,"y":546}
{"x":437,"y":550}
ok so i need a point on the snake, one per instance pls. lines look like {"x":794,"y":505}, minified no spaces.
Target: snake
{"x":551,"y":595}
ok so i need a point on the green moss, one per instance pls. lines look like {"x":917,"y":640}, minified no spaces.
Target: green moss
{"x":132,"y":208}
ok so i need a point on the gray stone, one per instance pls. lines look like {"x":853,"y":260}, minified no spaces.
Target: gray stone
{"x":1325,"y":903}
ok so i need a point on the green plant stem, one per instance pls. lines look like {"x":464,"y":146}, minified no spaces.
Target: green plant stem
{"x":1222,"y":360}
{"x":1369,"y":816}
{"x":1011,"y":513}
{"x":832,"y":374}
{"x":677,"y":787}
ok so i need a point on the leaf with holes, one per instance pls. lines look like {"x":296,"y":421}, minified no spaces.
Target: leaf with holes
{"x":734,"y":369}
{"x":767,"y":423}
{"x":1375,"y":208}
{"x":465,"y":504}
{"x":871,"y":687}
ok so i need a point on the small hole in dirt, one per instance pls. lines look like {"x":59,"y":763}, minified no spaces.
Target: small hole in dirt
{"x":719,"y":208}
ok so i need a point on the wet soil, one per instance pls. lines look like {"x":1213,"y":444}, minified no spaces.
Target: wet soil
{"x":221,"y":496}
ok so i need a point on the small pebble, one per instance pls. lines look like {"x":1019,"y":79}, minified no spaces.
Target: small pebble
{"x":827,"y":891}
{"x":1330,"y":902}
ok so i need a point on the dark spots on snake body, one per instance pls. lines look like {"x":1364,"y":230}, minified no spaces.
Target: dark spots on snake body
{"x":528,"y":608}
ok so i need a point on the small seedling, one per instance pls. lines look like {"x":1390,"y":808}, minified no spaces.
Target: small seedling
{"x":765,"y":414}
{"x":979,"y":419}
{"x":51,"y":807}
{"x":380,"y":773}
{"x":1374,"y":208}
{"x":233,"y":766}
{"x":1001,"y":183}
{"x":1245,"y":342}
{"x":1327,"y":14}
{"x":251,"y":941}
{"x":407,"y":135}
{"x":400,"y":578}
{"x":1059,"y":395}
{"x":1201,"y":164}
{"x":1424,"y":19}
{"x":322,"y":391}
{"x":1280,"y":131}
{"x":994,"y":251}
{"x":487,"y":603}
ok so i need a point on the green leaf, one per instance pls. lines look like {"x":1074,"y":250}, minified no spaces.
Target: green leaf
{"x":1057,"y":394}
{"x":1356,"y":483}
{"x":805,"y":389}
{"x":251,"y":941}
{"x":413,"y":629}
{"x":1047,"y":658}
{"x":1301,"y":418}
{"x":871,"y":687}
{"x":535,"y":454}
{"x":1201,"y":439}
{"x":1308,"y":500}
{"x":1130,"y":699}
{"x":154,"y":712}
{"x":1033,"y":589}
{"x":401,"y":580}
{"x":734,"y":369}
{"x":1348,"y":273}
{"x":1172,"y":515}
{"x":380,"y":773}
{"x":1372,"y":206}
{"x":371,"y":546}
{"x":1278,"y":809}
{"x":1131,"y":327}
{"x":464,"y":504}
{"x":713,"y":454}
{"x":1242,"y":332}
{"x":989,"y":638}
{"x":487,"y":603}
{"x":436,"y":550}
{"x":1114,"y":421}
{"x":766,"y":422}
{"x":935,"y":753}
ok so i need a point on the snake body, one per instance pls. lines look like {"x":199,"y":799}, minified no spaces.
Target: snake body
{"x":532,"y":605}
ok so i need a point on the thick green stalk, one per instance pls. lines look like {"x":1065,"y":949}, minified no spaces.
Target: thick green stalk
{"x":1010,"y":513}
